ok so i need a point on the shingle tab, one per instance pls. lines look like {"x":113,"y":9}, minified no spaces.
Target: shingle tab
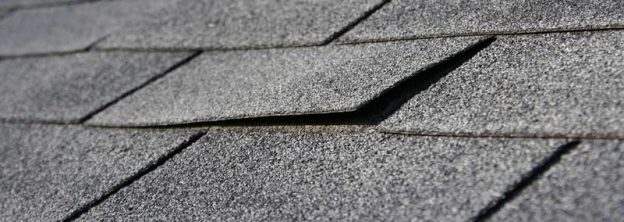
{"x":244,"y":84}
{"x":586,"y":185}
{"x":49,"y":171}
{"x":403,"y":19}
{"x":69,"y":87}
{"x":242,"y":24}
{"x":295,"y":176}
{"x":568,"y":84}
{"x":70,"y":28}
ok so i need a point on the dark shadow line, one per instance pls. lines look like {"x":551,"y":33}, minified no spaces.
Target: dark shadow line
{"x":53,"y":4}
{"x":531,"y":178}
{"x":371,"y":113}
{"x":354,"y":23}
{"x":473,"y":34}
{"x":142,"y":85}
{"x":128,"y":181}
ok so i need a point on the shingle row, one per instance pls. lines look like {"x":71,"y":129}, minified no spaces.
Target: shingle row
{"x":178,"y":24}
{"x":48,"y":172}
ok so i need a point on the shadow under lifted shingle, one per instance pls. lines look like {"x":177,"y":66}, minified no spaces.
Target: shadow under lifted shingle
{"x":304,"y":82}
{"x":546,"y":85}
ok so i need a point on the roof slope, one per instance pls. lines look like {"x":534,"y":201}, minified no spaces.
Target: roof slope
{"x":359,"y":110}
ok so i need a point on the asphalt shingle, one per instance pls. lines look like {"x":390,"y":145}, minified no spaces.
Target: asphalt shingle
{"x":243,"y":24}
{"x":244,"y":84}
{"x":403,"y":19}
{"x":31,"y":3}
{"x":70,"y":28}
{"x":586,"y":185}
{"x":49,"y":171}
{"x":567,"y":84}
{"x":295,"y":176}
{"x":68,"y":88}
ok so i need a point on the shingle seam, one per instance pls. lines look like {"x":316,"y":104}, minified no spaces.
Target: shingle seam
{"x":370,"y":113}
{"x":476,"y":34}
{"x":142,"y":85}
{"x":355,"y":22}
{"x":94,"y":48}
{"x":530,"y":178}
{"x":128,"y":181}
{"x":53,"y":4}
{"x":503,"y":135}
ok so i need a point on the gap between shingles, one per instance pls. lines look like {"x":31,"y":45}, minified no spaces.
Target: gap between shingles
{"x":476,"y":34}
{"x":371,"y":113}
{"x":128,"y":181}
{"x":94,"y":48}
{"x":534,"y":175}
{"x":355,"y":22}
{"x":142,"y":85}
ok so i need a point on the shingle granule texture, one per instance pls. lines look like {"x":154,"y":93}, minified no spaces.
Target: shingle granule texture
{"x":46,"y":172}
{"x":244,"y":84}
{"x":35,"y":3}
{"x":242,"y":24}
{"x":587,"y":185}
{"x":69,"y":87}
{"x":402,"y":19}
{"x":294,"y":176}
{"x":70,"y":28}
{"x":533,"y":85}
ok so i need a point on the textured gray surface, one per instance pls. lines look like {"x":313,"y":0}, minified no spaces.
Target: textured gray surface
{"x":587,"y":185}
{"x":70,"y":28}
{"x":242,"y":84}
{"x":290,"y":176}
{"x":416,"y":18}
{"x":31,"y":3}
{"x":242,"y":24}
{"x":49,"y":171}
{"x":69,"y":87}
{"x":536,"y":85}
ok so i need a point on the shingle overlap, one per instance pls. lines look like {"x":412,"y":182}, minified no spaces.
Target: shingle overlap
{"x":68,"y":88}
{"x":70,"y":28}
{"x":49,"y":171}
{"x":404,"y":19}
{"x":277,"y":176}
{"x":585,"y":185}
{"x":566,"y":84}
{"x":244,"y":84}
{"x":212,"y":24}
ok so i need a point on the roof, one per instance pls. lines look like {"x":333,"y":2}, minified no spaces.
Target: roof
{"x":355,"y":110}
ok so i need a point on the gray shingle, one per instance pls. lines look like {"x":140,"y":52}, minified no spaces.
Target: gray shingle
{"x":243,"y":84}
{"x":242,"y":24}
{"x":69,"y":87}
{"x":290,"y":176}
{"x":586,"y":185}
{"x":415,"y":18}
{"x":49,"y":171}
{"x":30,"y":3}
{"x":532,"y":85}
{"x":70,"y":28}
